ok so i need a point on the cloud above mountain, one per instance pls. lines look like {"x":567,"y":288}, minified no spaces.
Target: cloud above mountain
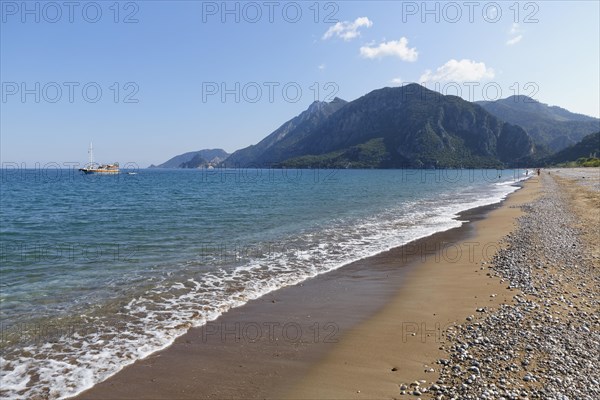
{"x":515,"y":35}
{"x":393,"y":48}
{"x":348,"y":30}
{"x":459,"y":71}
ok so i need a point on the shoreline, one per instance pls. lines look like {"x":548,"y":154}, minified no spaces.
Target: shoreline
{"x":400,"y":343}
{"x":259,"y":338}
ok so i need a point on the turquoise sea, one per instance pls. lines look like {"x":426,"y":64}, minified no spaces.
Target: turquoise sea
{"x":98,"y":271}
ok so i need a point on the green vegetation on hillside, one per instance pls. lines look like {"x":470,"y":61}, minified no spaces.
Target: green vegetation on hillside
{"x":371,"y":154}
{"x":581,"y":162}
{"x":582,"y":154}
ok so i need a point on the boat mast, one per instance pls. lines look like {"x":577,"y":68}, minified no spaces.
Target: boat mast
{"x":91,"y":156}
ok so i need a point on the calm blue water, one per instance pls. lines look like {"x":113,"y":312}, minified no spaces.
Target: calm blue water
{"x":98,"y":271}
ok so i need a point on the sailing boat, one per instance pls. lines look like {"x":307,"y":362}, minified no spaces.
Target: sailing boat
{"x":100,"y":169}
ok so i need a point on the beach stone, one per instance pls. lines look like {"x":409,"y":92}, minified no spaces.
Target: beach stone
{"x":474,"y":370}
{"x":548,"y":330}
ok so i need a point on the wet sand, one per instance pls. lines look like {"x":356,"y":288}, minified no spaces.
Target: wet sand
{"x":338,"y":335}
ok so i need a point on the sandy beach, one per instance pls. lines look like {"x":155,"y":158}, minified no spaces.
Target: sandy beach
{"x":401,"y":323}
{"x":406,"y":335}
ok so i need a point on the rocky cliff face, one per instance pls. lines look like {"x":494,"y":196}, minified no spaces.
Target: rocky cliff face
{"x":406,"y":126}
{"x":286,"y":136}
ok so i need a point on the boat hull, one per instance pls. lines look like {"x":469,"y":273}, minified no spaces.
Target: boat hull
{"x":99,"y":171}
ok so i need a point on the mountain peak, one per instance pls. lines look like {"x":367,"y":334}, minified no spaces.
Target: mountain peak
{"x":316,"y":106}
{"x":207,"y":155}
{"x":291,"y":131}
{"x":520,"y":98}
{"x":412,"y":85}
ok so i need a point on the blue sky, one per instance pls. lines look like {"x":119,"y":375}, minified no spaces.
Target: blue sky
{"x":185,"y":75}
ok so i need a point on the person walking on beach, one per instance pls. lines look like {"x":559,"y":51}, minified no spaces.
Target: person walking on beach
{"x":538,"y":172}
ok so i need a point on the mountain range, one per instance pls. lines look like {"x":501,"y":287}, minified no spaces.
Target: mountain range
{"x":549,"y":126}
{"x":195,"y":159}
{"x":408,"y":126}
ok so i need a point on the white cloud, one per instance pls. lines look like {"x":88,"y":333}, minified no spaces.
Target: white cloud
{"x":514,"y":40}
{"x":515,"y":32}
{"x":458,"y":71}
{"x":321,"y":67}
{"x":397,"y":81}
{"x":395,"y":48}
{"x":347,"y":30}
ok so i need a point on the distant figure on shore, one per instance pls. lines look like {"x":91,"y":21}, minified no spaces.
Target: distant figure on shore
{"x":538,"y":172}
{"x":526,"y":172}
